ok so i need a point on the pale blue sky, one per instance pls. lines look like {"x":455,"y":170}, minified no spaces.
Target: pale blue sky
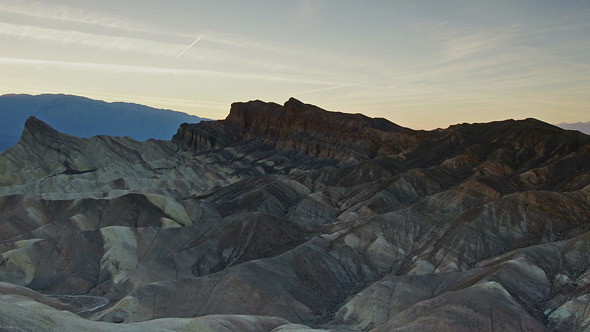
{"x":421,"y":64}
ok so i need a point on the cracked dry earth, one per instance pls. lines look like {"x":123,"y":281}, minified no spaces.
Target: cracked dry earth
{"x":292,"y":218}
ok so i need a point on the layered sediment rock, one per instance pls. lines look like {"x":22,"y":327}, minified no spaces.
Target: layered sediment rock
{"x":289,"y":214}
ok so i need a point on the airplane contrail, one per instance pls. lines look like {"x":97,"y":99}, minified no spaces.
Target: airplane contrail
{"x":191,"y":45}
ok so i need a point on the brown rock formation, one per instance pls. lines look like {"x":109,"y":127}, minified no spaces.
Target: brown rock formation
{"x":286,"y":215}
{"x":301,"y":127}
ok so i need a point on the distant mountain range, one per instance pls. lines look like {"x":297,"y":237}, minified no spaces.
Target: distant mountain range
{"x":580,"y":126}
{"x":84,"y":117}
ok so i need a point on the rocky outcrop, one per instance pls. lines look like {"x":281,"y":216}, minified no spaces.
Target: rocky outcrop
{"x":301,"y":127}
{"x":290,"y":217}
{"x":42,"y":151}
{"x":525,"y":148}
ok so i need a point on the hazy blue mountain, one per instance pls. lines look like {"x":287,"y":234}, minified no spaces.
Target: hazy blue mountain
{"x":84,"y":117}
{"x":580,"y":126}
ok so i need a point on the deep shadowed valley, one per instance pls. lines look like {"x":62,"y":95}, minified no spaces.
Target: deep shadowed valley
{"x":290,"y":217}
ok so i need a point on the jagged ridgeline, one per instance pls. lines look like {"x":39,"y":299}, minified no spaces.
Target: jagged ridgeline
{"x":282,"y":215}
{"x":84,"y":117}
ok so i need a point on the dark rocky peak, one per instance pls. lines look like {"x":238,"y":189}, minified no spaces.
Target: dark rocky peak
{"x":296,"y":106}
{"x":294,"y":116}
{"x":297,"y":126}
{"x":202,"y":136}
{"x":37,"y":126}
{"x":342,"y":120}
{"x":506,"y":149}
{"x":528,"y":126}
{"x":252,"y":115}
{"x":531,"y":134}
{"x":500,"y":148}
{"x":38,"y":132}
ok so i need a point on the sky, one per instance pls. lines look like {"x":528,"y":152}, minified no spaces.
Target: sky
{"x":420,"y":64}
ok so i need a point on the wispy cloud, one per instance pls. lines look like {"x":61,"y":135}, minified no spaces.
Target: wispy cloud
{"x":221,"y":49}
{"x":76,"y":15}
{"x":133,"y":69}
{"x":119,"y":43}
{"x":427,"y":60}
{"x":458,"y":41}
{"x":105,"y":31}
{"x":481,"y":60}
{"x":67,"y":37}
{"x":160,"y":100}
{"x":51,"y":11}
{"x":340,"y":86}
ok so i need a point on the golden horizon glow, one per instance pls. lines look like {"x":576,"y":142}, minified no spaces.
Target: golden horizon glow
{"x":418,"y":64}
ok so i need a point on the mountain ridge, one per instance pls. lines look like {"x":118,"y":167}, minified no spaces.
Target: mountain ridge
{"x":263,"y":221}
{"x":349,"y":139}
{"x":85,"y":117}
{"x":583,"y":127}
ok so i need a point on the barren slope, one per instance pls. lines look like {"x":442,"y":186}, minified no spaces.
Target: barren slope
{"x":330,"y":220}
